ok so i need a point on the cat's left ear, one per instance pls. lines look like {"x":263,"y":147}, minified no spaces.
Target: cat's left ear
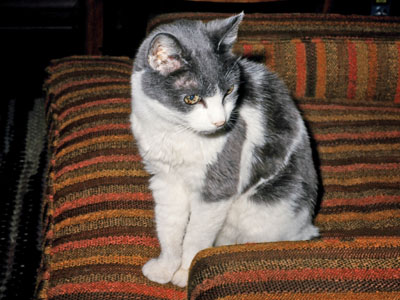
{"x":225,"y":31}
{"x":165,"y":54}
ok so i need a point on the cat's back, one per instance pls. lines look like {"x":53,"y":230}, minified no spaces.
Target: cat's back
{"x":266,"y":95}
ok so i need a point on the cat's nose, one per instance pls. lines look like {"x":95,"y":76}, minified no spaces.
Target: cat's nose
{"x":219,"y":123}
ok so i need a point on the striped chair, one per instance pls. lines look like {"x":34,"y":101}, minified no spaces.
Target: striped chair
{"x":344,"y":73}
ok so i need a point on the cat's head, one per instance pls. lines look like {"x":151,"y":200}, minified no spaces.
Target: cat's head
{"x":189,"y":68}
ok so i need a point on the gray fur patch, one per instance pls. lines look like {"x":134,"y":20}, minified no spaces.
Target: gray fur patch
{"x":222,"y":177}
{"x":182,"y":58}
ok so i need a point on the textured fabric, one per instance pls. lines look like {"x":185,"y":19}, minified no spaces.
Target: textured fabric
{"x":98,"y":207}
{"x":98,"y":216}
{"x":333,"y":68}
{"x":358,"y":147}
{"x":265,"y":26}
{"x":360,"y":268}
{"x":22,"y":170}
{"x":325,"y":56}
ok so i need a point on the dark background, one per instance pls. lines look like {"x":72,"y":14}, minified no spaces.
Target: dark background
{"x":33,"y":32}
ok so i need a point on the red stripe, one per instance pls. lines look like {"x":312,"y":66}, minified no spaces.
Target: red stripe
{"x":116,"y":287}
{"x":397,"y":97}
{"x":93,"y":103}
{"x":349,"y":108}
{"x":352,"y":53}
{"x":364,"y":135}
{"x":359,"y":201}
{"x":301,"y":69}
{"x":247,"y":49}
{"x":106,"y":241}
{"x":355,"y":167}
{"x":101,"y":198}
{"x":99,"y":128}
{"x":97,"y":160}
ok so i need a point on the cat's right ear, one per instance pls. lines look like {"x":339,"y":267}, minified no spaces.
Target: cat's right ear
{"x":225,"y":31}
{"x":165,"y":54}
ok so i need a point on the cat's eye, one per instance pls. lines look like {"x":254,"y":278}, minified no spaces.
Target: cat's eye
{"x":230,"y":90}
{"x":192,"y":99}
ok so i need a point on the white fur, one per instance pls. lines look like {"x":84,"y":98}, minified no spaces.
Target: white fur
{"x":249,"y":222}
{"x":178,"y":157}
{"x":205,"y":117}
{"x":255,"y":132}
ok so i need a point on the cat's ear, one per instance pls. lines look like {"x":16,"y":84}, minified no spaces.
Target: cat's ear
{"x":165,"y":54}
{"x":225,"y":31}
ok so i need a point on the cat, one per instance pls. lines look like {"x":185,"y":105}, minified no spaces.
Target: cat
{"x":227,"y":149}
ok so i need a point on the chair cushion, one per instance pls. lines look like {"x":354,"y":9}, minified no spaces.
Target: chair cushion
{"x":331,"y":269}
{"x":98,"y":210}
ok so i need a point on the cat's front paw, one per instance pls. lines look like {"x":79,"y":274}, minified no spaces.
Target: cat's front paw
{"x":160,"y":271}
{"x":181,"y":277}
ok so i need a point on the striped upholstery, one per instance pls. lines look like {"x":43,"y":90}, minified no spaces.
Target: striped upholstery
{"x":322,"y":56}
{"x":352,"y":67}
{"x":359,"y":268}
{"x":98,"y":209}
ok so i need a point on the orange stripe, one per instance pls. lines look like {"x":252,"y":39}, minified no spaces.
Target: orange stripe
{"x":352,"y":117}
{"x":94,"y":199}
{"x":91,"y":91}
{"x":321,"y":69}
{"x":82,"y":83}
{"x":97,"y":160}
{"x":104,"y":174}
{"x":352,"y":76}
{"x":308,"y":296}
{"x":347,"y":108}
{"x":359,"y":201}
{"x":363,"y":135}
{"x":159,"y":291}
{"x":74,"y":63}
{"x":94,"y":103}
{"x":96,"y":112}
{"x":355,"y":167}
{"x":397,"y":97}
{"x":301,"y":65}
{"x":94,"y":141}
{"x":106,"y":214}
{"x":306,"y":274}
{"x":351,"y":216}
{"x":339,"y":180}
{"x":99,"y":260}
{"x":327,"y":243}
{"x":106,"y":127}
{"x":106,"y":241}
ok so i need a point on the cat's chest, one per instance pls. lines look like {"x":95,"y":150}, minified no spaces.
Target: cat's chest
{"x":168,"y":149}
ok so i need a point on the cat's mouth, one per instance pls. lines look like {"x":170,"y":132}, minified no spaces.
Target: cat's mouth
{"x":217,"y":131}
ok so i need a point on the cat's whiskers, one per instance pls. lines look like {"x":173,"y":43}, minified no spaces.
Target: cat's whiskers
{"x":228,"y":73}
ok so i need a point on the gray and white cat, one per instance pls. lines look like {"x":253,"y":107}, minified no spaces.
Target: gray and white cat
{"x":227,"y":148}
